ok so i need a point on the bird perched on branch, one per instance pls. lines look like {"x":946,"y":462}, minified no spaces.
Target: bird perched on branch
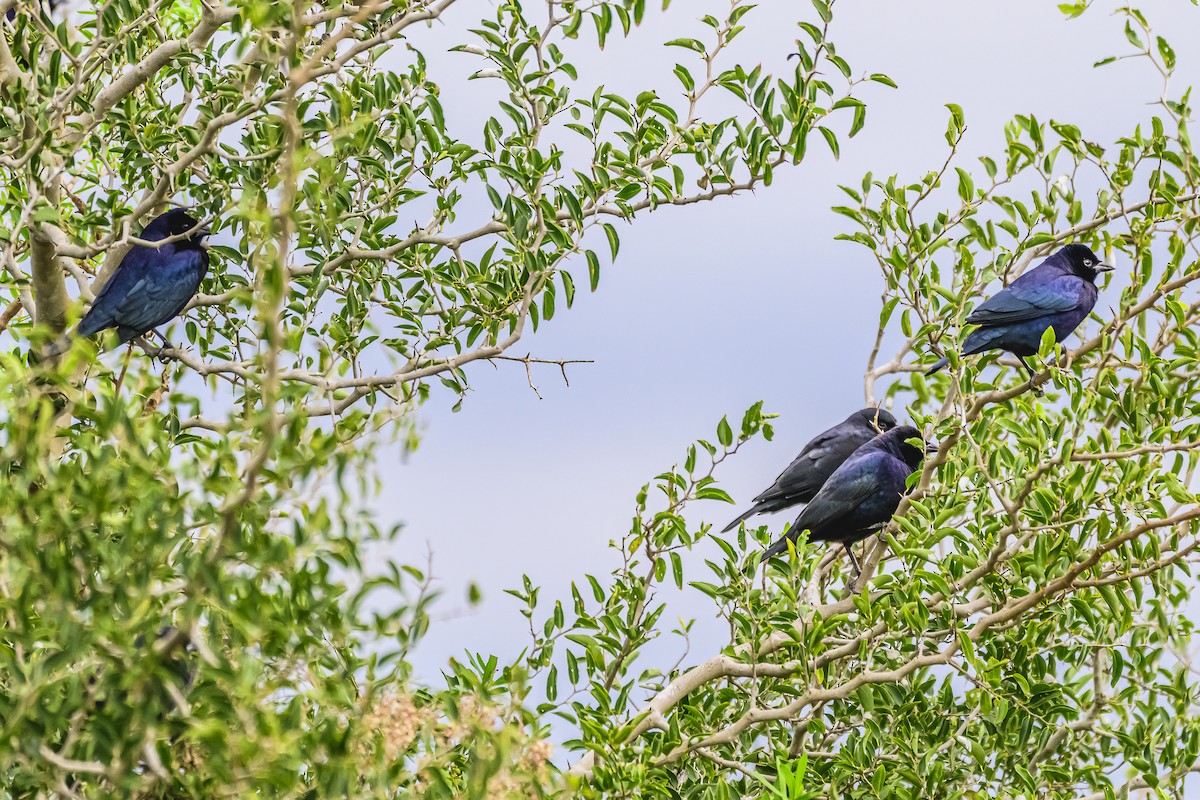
{"x":152,"y":285}
{"x":817,"y":461}
{"x":862,"y":494}
{"x":1059,"y":293}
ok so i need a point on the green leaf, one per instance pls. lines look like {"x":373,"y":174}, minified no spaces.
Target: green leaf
{"x":614,"y":243}
{"x":724,"y":432}
{"x":831,"y":140}
{"x":593,"y":269}
{"x":689,"y":44}
{"x":957,"y":124}
{"x":1165,"y":52}
{"x":713,"y":493}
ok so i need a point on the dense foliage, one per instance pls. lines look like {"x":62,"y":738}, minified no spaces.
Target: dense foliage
{"x":186,"y":608}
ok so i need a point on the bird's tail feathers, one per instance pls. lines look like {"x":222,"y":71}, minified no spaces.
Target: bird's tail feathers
{"x":59,"y":346}
{"x":744,"y":516}
{"x":778,"y":548}
{"x":980,"y":339}
{"x":91,"y":324}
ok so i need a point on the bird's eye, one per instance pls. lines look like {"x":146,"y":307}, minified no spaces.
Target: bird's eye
{"x":1087,"y":262}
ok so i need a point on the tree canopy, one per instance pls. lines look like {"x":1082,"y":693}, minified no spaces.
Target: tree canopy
{"x":187,"y":607}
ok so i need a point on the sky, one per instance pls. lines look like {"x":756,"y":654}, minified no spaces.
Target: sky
{"x":713,"y":307}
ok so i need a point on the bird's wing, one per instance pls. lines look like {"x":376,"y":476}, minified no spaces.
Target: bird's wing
{"x":1021,"y":302}
{"x":157,"y":296}
{"x":847,"y":488}
{"x":105,"y":308}
{"x":797,"y":476}
{"x":818,"y":446}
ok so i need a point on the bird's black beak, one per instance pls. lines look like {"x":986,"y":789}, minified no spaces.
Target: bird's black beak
{"x":931,"y":447}
{"x":1102,"y":267}
{"x":203,"y":235}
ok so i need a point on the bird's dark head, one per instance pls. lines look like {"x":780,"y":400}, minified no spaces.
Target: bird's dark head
{"x":1083,"y":262}
{"x":175,"y":222}
{"x":899,"y":440}
{"x":878,"y":419}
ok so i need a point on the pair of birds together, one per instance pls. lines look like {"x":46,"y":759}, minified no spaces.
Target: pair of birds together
{"x":853,"y":475}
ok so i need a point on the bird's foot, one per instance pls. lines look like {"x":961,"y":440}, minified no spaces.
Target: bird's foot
{"x":853,"y":585}
{"x":1033,"y":376}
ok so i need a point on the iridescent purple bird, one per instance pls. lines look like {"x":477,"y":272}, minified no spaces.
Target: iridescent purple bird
{"x":1059,"y":293}
{"x":151,"y":285}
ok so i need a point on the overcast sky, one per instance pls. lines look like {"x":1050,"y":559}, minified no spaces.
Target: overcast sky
{"x":713,"y":307}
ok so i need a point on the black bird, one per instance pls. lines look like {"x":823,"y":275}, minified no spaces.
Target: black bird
{"x":172,"y":650}
{"x":1059,"y":293}
{"x":172,"y":647}
{"x":817,"y":461}
{"x":151,"y":285}
{"x":861,"y":495}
